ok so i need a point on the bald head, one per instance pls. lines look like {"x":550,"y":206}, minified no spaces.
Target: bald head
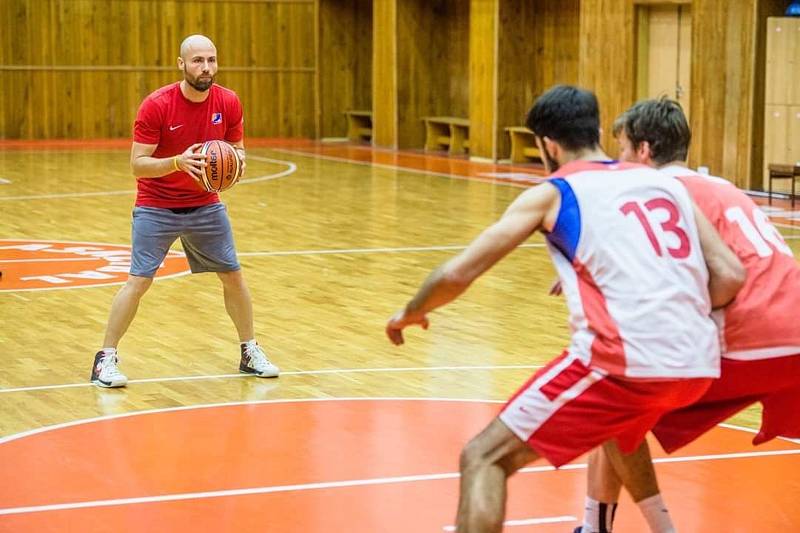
{"x":196,"y":43}
{"x":198,"y":61}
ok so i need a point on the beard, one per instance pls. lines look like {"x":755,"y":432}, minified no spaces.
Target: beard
{"x":551,"y":164}
{"x":198,"y":84}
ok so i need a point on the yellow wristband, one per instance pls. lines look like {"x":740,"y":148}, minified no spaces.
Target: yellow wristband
{"x":175,"y":163}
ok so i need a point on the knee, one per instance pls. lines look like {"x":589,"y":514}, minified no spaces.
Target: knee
{"x":473,"y":456}
{"x":231,"y":279}
{"x":137,"y":285}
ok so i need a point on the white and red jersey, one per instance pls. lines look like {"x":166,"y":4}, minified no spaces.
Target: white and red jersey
{"x":626,"y":248}
{"x":761,"y":322}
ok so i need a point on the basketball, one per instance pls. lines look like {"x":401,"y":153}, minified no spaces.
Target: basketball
{"x":223,"y":166}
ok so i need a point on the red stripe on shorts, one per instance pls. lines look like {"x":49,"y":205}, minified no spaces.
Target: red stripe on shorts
{"x":565,"y":380}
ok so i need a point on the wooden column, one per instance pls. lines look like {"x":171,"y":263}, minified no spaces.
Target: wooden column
{"x":607,"y":59}
{"x":384,"y":73}
{"x":723,"y":65}
{"x":483,"y":74}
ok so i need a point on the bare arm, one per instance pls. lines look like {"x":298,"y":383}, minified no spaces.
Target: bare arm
{"x":523,"y":217}
{"x":726,"y":273}
{"x":144,"y":165}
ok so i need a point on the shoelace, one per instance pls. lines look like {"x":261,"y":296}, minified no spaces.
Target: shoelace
{"x":258,"y":358}
{"x":109,"y":364}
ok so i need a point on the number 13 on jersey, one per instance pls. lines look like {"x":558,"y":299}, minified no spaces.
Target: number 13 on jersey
{"x":669,"y":226}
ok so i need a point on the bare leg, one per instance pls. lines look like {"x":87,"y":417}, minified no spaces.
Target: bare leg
{"x":604,"y":485}
{"x":123,"y":309}
{"x":635,"y":470}
{"x":238,"y":303}
{"x":603,"y":489}
{"x":639,"y":477}
{"x":487,"y":462}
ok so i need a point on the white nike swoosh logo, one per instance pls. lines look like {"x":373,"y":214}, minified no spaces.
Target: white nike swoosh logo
{"x":173,"y":128}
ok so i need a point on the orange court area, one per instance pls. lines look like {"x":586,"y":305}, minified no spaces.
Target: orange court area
{"x":360,"y":465}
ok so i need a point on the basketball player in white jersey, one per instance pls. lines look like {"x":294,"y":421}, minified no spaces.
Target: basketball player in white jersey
{"x":761,"y":351}
{"x":629,"y":248}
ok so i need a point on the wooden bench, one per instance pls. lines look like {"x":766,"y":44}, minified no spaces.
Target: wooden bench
{"x":783,"y":172}
{"x":523,"y":145}
{"x":359,"y":125}
{"x":451,"y":133}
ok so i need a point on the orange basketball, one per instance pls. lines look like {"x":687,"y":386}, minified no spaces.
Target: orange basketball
{"x":223,"y":166}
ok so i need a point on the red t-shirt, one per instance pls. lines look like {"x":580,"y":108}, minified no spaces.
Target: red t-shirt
{"x":166,"y":118}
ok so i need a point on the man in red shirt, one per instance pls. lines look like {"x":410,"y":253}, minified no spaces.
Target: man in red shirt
{"x":759,"y":330}
{"x":171,"y":124}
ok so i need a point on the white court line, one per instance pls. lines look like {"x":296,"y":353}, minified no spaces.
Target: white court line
{"x":285,"y":373}
{"x":93,"y":285}
{"x":373,"y":250}
{"x":4,"y":181}
{"x":293,"y":252}
{"x":51,"y":260}
{"x":290,"y":170}
{"x":530,"y":521}
{"x":62,"y":425}
{"x":755,"y":432}
{"x":403,"y":169}
{"x":345,"y":483}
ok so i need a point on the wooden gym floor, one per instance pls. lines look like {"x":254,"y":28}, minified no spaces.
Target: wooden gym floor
{"x":356,"y":435}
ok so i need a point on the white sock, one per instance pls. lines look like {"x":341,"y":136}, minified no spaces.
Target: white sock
{"x":109,"y":351}
{"x":598,"y":517}
{"x":249,"y":344}
{"x":656,"y":514}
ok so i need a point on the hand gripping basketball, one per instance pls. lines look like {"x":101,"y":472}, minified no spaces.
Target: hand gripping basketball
{"x":223,"y":166}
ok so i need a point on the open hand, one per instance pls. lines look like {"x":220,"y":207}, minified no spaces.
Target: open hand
{"x":192,"y":162}
{"x":398,"y":322}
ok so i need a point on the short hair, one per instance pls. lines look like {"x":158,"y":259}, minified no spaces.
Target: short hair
{"x":568,"y":115}
{"x":662,"y":124}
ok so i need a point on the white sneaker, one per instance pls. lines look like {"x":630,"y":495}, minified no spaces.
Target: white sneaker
{"x":105,"y":372}
{"x":254,"y":361}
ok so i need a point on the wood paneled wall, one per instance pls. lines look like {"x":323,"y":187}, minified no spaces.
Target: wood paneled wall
{"x":384,"y":73}
{"x":727,"y":76}
{"x":764,"y":134}
{"x":432,"y":64}
{"x":518,"y":49}
{"x":607,"y":58}
{"x":484,"y":72}
{"x":538,"y":48}
{"x":345,"y":66}
{"x":79,"y":68}
{"x":722,"y":99}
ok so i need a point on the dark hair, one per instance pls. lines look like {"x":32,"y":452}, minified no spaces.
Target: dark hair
{"x":568,"y":115}
{"x":662,"y":124}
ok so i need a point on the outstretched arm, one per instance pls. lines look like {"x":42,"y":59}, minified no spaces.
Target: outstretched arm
{"x":523,"y":217}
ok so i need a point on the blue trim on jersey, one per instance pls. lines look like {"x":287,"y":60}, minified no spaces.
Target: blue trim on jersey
{"x":567,"y":231}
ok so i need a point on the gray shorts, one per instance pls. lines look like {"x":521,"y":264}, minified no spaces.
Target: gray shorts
{"x":205,"y":234}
